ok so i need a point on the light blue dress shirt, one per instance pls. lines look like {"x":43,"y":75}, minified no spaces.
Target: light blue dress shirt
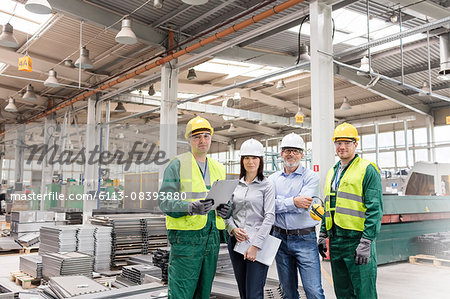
{"x":303,"y":182}
{"x":253,"y":207}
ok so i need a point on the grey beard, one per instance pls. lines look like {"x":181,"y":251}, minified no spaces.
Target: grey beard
{"x":291,"y":164}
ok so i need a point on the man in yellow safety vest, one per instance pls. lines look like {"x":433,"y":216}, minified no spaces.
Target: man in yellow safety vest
{"x":194,"y":230}
{"x":352,"y":219}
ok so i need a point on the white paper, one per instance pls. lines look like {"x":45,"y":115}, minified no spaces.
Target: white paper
{"x":221,"y":191}
{"x":268,"y":250}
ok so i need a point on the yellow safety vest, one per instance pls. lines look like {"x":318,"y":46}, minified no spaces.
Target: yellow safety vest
{"x":350,"y":209}
{"x":193,"y":186}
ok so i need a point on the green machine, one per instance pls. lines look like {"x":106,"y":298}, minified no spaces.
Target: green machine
{"x":404,"y":219}
{"x":74,"y":198}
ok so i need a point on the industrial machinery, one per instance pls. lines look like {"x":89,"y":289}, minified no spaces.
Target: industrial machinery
{"x":424,"y":209}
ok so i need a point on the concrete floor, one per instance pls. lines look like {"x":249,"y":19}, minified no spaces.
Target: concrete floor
{"x":395,"y":281}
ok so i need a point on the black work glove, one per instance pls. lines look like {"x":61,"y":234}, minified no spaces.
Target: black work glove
{"x":200,"y":207}
{"x":224,"y":210}
{"x":322,"y":244}
{"x":362,"y":252}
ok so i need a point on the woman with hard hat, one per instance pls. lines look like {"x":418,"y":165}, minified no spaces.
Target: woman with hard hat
{"x":253,"y":214}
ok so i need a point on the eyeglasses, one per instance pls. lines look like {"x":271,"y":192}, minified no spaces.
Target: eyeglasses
{"x":344,"y":143}
{"x":292,"y":151}
{"x":198,"y":137}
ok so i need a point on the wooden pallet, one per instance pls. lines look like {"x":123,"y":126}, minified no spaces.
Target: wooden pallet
{"x":24,"y":280}
{"x":28,"y":250}
{"x":428,"y":259}
{"x":24,"y":250}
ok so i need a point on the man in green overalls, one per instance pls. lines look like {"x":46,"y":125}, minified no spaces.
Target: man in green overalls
{"x":352,"y":219}
{"x":194,"y":230}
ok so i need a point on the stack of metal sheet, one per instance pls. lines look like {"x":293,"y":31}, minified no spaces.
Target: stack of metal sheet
{"x":8,"y":243}
{"x":137,"y":273}
{"x":71,"y":286}
{"x":102,"y":248}
{"x":161,"y":260}
{"x":436,"y":244}
{"x":154,"y":232}
{"x":31,"y":265}
{"x":225,"y":287}
{"x":141,"y":259}
{"x":224,"y":262}
{"x":148,"y":291}
{"x":58,"y":239}
{"x":132,"y":234}
{"x":85,"y":239}
{"x":73,"y":217}
{"x":6,"y":292}
{"x":29,"y":239}
{"x":69,"y":263}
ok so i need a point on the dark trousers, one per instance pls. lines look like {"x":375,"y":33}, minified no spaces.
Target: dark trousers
{"x":250,"y":276}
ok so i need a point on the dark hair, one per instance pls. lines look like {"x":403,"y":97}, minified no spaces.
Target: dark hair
{"x":260,"y":173}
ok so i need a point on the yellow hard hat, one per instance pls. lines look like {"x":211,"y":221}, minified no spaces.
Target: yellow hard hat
{"x":345,"y":130}
{"x":316,"y":212}
{"x":197,"y":123}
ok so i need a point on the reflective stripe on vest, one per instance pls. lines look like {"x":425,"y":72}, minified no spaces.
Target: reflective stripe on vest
{"x":350,"y":208}
{"x":194,"y":188}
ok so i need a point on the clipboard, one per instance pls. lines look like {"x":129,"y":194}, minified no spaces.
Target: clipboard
{"x":266,"y":254}
{"x":221,"y":191}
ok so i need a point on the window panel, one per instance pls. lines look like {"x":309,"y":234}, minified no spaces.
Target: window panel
{"x":420,"y":136}
{"x":386,"y":160}
{"x":421,"y":155}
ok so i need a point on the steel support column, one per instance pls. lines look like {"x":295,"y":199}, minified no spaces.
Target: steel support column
{"x":430,"y":139}
{"x":47,"y":167}
{"x":90,"y":168}
{"x":322,"y":88}
{"x":169,"y":113}
{"x":405,"y":128}
{"x":377,"y":145}
{"x":19,"y":158}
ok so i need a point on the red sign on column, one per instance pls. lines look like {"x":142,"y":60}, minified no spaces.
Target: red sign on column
{"x":316,"y":168}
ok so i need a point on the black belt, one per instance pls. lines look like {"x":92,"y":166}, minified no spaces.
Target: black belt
{"x":296,"y":232}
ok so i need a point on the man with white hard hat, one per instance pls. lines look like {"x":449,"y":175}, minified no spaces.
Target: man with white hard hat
{"x":294,"y":188}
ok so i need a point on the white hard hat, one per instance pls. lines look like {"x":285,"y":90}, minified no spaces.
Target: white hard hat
{"x":293,"y":140}
{"x":252,"y":147}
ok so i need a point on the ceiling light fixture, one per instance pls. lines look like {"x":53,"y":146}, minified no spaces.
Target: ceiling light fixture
{"x":228,"y":102}
{"x":7,"y":38}
{"x":126,"y":36}
{"x":151,"y":90}
{"x":68,"y":62}
{"x":191,"y":74}
{"x":232,"y":128}
{"x":364,"y":68}
{"x":345,"y":105}
{"x":41,"y":7}
{"x":304,"y":53}
{"x":51,"y":81}
{"x":195,"y":2}
{"x":281,"y":85}
{"x":425,"y":89}
{"x":393,"y":18}
{"x":158,"y":3}
{"x":120,"y":107}
{"x":30,"y":95}
{"x":444,"y":47}
{"x":11,"y":107}
{"x":84,"y":62}
{"x":299,"y":117}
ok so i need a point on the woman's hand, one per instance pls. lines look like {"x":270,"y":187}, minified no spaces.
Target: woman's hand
{"x":240,"y":234}
{"x":250,"y":254}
